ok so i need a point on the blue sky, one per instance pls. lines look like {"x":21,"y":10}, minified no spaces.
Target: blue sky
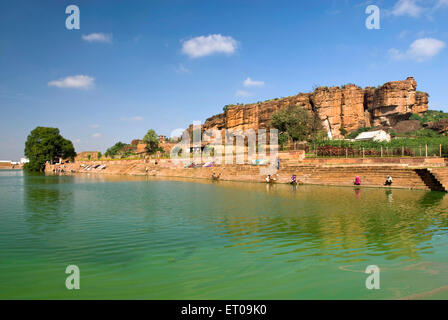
{"x":135,"y":65}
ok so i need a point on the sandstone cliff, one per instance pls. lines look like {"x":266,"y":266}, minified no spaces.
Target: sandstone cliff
{"x":349,"y":107}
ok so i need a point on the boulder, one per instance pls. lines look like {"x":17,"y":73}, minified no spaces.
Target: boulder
{"x":406,"y":126}
{"x":440,"y":126}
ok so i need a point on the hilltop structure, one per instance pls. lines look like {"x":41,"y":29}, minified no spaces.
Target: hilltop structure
{"x":341,"y":109}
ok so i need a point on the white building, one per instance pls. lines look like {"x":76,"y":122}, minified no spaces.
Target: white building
{"x":24,"y":160}
{"x":378,"y":135}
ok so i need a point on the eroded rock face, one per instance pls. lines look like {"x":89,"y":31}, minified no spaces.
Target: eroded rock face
{"x":327,"y":103}
{"x":421,"y":102}
{"x":340,"y":109}
{"x":406,"y":126}
{"x":352,"y":115}
{"x":440,"y":126}
{"x":397,"y":98}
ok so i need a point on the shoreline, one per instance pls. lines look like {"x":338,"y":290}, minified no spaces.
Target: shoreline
{"x":426,"y":176}
{"x":209,"y":180}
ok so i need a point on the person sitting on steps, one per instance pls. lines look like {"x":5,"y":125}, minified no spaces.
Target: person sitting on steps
{"x":357,"y":181}
{"x":388,"y":181}
{"x":216,"y":177}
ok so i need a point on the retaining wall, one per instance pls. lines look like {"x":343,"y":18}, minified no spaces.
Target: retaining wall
{"x":320,"y":171}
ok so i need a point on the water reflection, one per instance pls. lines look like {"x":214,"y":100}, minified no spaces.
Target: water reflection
{"x":432,"y":199}
{"x":294,"y":188}
{"x":189,"y":234}
{"x":358,"y":193}
{"x":389,"y":195}
{"x":327,"y":222}
{"x":47,"y":201}
{"x":295,"y":221}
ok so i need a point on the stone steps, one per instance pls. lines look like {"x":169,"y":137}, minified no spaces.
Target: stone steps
{"x":430,"y":180}
{"x":308,"y":174}
{"x":441,"y":174}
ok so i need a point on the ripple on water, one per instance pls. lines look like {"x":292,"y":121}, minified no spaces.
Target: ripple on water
{"x":143,"y":238}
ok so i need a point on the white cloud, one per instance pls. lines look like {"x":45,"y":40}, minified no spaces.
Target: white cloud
{"x":206,"y":45}
{"x":420,"y":50}
{"x":182,"y":69}
{"x":176,"y":133}
{"x":98,"y":37}
{"x":135,"y":118}
{"x":77,"y":82}
{"x":407,"y":8}
{"x":94,"y":126}
{"x":423,"y":49}
{"x":242,"y":93}
{"x":416,"y":8}
{"x":441,"y":3}
{"x":97,"y":135}
{"x":253,"y":83}
{"x":403,"y":34}
{"x":396,"y":54}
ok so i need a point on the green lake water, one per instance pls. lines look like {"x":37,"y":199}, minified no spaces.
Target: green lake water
{"x":140,"y":238}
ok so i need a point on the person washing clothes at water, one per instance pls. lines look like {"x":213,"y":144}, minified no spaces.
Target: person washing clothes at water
{"x":388,"y":181}
{"x":293,"y":179}
{"x":357,"y":181}
{"x":216,"y":176}
{"x":270,"y":179}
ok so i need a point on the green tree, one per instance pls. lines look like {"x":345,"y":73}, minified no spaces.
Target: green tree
{"x":226,"y":107}
{"x":283,"y":139}
{"x":115,"y":149}
{"x":151,"y":139}
{"x":46,"y":144}
{"x":297,"y":122}
{"x":99,"y":155}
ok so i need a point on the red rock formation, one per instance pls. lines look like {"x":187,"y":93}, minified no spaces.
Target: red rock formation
{"x":136,"y":142}
{"x":421,"y":102}
{"x":349,"y":108}
{"x":85,"y":155}
{"x":397,"y":98}
{"x":440,"y":126}
{"x":352,"y":111}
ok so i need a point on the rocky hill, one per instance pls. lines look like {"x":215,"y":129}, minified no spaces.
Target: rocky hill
{"x":348,"y":107}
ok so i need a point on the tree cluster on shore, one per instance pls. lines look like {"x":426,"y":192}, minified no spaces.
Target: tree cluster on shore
{"x":46,"y":144}
{"x":295,"y":123}
{"x":124,"y":150}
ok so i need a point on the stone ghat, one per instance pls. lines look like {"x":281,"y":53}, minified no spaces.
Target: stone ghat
{"x":441,"y":174}
{"x":9,"y":166}
{"x":336,"y":176}
{"x":374,"y":175}
{"x":413,"y":162}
